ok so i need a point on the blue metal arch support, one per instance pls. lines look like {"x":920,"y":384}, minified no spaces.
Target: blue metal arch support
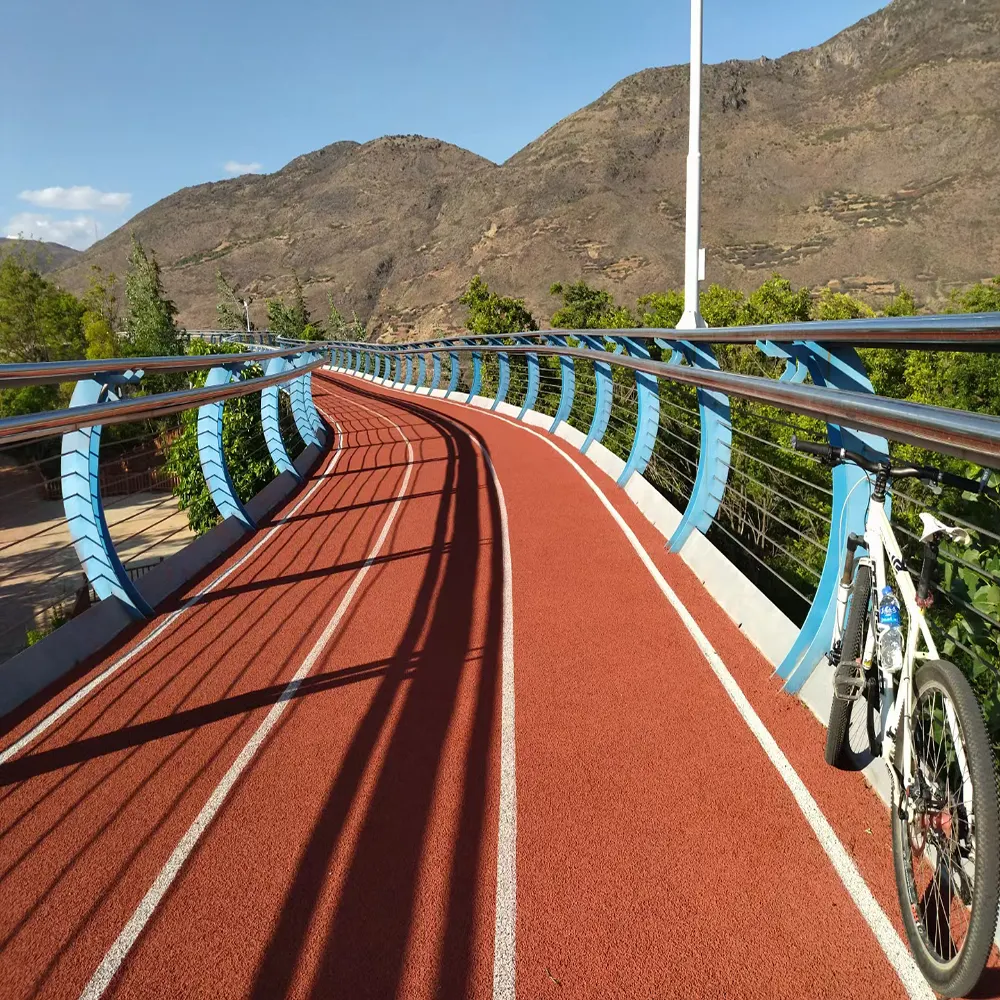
{"x":503,"y":379}
{"x":647,"y":419}
{"x":841,"y":368}
{"x":567,"y":384}
{"x":211,"y":455}
{"x":269,"y":419}
{"x":397,"y":374}
{"x":436,"y":376}
{"x":455,"y":373}
{"x":603,"y":396}
{"x":477,"y":374}
{"x":421,"y":371}
{"x":84,"y":509}
{"x":532,"y":394}
{"x":714,"y":453}
{"x":377,"y":361}
{"x":409,"y":371}
{"x":303,"y":409}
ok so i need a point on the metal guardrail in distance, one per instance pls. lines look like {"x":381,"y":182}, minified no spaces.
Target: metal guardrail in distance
{"x":717,"y":444}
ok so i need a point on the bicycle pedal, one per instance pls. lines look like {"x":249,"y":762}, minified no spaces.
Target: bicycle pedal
{"x":848,"y":682}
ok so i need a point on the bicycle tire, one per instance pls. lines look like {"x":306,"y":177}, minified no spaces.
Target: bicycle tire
{"x":838,"y":753}
{"x":958,"y":976}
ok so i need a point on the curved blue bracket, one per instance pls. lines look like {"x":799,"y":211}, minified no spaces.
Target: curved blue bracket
{"x":409,"y":371}
{"x":532,"y":394}
{"x":647,"y":419}
{"x":715,"y":451}
{"x":503,"y":380}
{"x":436,"y":376}
{"x":376,"y":365}
{"x":838,"y":367}
{"x":567,"y":384}
{"x":304,"y":413}
{"x":269,"y":419}
{"x":421,"y":370}
{"x":211,"y":455}
{"x":455,"y":372}
{"x":397,"y":370}
{"x":477,"y":374}
{"x":603,"y":396}
{"x":84,"y":509}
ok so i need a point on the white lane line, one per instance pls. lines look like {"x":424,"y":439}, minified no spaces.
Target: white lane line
{"x":506,"y":899}
{"x":895,"y":951}
{"x":67,"y":706}
{"x":118,"y":951}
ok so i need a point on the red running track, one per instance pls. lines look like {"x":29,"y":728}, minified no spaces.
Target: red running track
{"x":306,"y":784}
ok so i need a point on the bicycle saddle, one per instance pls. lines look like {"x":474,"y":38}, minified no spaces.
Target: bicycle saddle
{"x":932,"y":527}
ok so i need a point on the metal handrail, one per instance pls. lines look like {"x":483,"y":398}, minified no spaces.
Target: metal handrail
{"x":974,"y":437}
{"x":965,"y":331}
{"x":31,"y":426}
{"x":47,"y":372}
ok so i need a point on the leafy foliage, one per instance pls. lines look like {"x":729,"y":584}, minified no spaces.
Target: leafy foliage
{"x":293,"y":320}
{"x":586,"y":308}
{"x":232,"y":307}
{"x":493,"y":313}
{"x":149,"y":314}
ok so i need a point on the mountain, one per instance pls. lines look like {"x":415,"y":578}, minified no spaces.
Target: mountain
{"x":863,"y":163}
{"x":46,"y":256}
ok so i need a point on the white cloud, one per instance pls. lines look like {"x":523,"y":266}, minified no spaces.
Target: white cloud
{"x":78,"y":232}
{"x":235,"y":167}
{"x":78,"y":199}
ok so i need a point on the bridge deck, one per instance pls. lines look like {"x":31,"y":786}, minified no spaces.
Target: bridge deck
{"x":305,"y":783}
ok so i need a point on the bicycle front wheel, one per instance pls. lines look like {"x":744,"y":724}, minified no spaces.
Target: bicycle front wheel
{"x":945,"y":836}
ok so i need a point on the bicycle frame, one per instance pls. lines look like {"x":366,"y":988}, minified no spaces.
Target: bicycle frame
{"x":897,"y":701}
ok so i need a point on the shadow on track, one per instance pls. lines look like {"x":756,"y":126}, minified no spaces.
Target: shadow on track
{"x":366,"y":941}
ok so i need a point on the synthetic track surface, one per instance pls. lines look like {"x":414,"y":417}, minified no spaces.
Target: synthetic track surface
{"x":658,"y":852}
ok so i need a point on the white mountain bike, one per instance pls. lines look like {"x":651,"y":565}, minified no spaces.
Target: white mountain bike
{"x":922,"y":717}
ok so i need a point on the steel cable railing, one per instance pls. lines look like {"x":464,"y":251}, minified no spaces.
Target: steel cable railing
{"x":135,"y":513}
{"x":777,"y":509}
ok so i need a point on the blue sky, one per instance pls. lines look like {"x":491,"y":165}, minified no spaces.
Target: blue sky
{"x":114,"y":104}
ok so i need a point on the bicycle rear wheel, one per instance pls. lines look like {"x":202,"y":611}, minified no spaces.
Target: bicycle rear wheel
{"x":946,"y":834}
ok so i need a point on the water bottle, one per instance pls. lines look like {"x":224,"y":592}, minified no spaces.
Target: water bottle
{"x":890,"y":635}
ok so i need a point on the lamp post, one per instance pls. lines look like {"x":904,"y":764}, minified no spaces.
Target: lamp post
{"x":694,"y":256}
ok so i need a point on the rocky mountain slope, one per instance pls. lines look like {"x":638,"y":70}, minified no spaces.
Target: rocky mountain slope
{"x":866,"y":162}
{"x":45,"y":256}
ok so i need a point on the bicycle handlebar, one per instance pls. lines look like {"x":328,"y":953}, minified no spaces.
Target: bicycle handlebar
{"x":836,"y":456}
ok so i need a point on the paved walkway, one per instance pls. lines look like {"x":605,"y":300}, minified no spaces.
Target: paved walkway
{"x":438,"y":730}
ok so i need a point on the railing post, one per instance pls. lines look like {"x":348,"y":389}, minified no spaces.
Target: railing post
{"x":436,"y":376}
{"x":269,"y":400}
{"x":647,"y":419}
{"x":503,"y":379}
{"x":567,"y":383}
{"x":455,"y":373}
{"x":378,"y":366}
{"x":408,"y":381}
{"x":532,"y":393}
{"x":841,"y":368}
{"x":307,"y":420}
{"x":421,"y":371}
{"x":715,"y":450}
{"x":477,"y":372}
{"x":602,"y":398}
{"x":398,"y":374}
{"x":84,"y":509}
{"x":211,"y":453}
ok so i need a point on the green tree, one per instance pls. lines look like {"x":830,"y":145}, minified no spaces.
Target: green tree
{"x":493,"y":313}
{"x":232,"y":307}
{"x":151,"y":330}
{"x":586,"y":308}
{"x":660,"y":310}
{"x":982,"y":297}
{"x":775,"y":301}
{"x":836,"y":305}
{"x":721,"y":306}
{"x":901,"y":304}
{"x":291,"y":320}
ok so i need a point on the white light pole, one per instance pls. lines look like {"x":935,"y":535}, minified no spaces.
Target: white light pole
{"x":694,"y":258}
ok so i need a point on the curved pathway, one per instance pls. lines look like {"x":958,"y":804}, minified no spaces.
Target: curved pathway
{"x":437,"y":730}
